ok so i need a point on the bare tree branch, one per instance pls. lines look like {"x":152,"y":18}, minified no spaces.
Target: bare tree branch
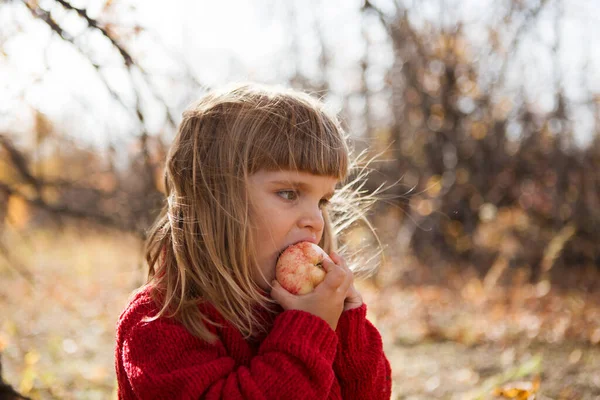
{"x":517,"y":38}
{"x":19,"y":162}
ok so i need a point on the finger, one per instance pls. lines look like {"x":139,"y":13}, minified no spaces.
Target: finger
{"x":327,"y":264}
{"x":347,"y":282}
{"x":335,"y":274}
{"x":282,"y":296}
{"x":339,"y":260}
{"x":352,"y":292}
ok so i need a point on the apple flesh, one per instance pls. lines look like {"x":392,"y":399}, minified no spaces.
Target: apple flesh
{"x":299,"y":268}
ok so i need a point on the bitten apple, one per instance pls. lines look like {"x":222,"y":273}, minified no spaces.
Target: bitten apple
{"x":299,"y":268}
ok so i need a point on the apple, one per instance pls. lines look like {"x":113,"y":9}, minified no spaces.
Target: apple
{"x":299,"y":268}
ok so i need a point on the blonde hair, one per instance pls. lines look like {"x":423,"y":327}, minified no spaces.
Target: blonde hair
{"x":200,"y":248}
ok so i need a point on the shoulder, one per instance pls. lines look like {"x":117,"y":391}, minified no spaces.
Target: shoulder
{"x":140,"y":306}
{"x":150,"y":353}
{"x":136,"y":322}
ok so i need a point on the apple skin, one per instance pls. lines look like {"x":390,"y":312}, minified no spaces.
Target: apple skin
{"x":299,"y":268}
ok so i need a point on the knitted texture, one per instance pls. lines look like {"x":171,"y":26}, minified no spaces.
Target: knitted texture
{"x":301,"y":358}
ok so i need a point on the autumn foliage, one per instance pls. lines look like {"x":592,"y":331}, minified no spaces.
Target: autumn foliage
{"x":489,"y":215}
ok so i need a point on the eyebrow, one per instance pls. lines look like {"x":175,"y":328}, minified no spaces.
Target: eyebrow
{"x":299,"y":185}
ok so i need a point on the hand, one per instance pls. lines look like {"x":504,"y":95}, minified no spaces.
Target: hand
{"x":353,"y":296}
{"x":327,"y":301}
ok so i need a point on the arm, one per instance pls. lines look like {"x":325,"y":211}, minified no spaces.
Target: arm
{"x":162,"y":360}
{"x":360,"y":364}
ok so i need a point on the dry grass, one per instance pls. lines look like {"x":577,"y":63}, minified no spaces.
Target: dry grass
{"x":57,"y":334}
{"x":457,"y":341}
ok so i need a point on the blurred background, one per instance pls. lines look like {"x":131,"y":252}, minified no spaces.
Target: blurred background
{"x":484,"y":117}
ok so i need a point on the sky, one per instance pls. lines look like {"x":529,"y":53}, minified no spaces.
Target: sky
{"x":220,"y":41}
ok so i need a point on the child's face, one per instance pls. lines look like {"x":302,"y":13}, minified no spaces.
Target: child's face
{"x":286,"y":209}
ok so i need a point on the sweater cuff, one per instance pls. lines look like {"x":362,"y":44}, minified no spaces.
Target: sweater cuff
{"x":359,"y":344}
{"x":303,"y":335}
{"x":351,"y":325}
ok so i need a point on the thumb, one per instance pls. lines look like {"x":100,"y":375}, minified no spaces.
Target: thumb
{"x":282,"y":296}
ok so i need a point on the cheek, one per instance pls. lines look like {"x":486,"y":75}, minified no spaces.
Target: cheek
{"x":275,"y":223}
{"x":264,"y":241}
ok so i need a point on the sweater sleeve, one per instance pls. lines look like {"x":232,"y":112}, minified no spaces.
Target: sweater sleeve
{"x":295,"y":361}
{"x":360,"y":364}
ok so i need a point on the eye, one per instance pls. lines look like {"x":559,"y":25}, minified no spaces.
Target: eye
{"x":290,"y":195}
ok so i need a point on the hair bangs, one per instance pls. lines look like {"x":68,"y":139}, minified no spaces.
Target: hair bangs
{"x":297,"y":137}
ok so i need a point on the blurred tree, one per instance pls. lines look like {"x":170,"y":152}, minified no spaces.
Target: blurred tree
{"x":450,"y":137}
{"x":468,"y":148}
{"x":55,"y":177}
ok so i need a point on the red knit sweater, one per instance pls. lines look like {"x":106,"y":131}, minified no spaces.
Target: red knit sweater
{"x":300,"y":358}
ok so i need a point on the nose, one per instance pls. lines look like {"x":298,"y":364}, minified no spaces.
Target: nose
{"x":312,"y":219}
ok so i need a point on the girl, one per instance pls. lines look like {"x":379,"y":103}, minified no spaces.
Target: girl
{"x":251,"y":171}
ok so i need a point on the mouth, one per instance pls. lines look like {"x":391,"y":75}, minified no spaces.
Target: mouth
{"x":280,"y":253}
